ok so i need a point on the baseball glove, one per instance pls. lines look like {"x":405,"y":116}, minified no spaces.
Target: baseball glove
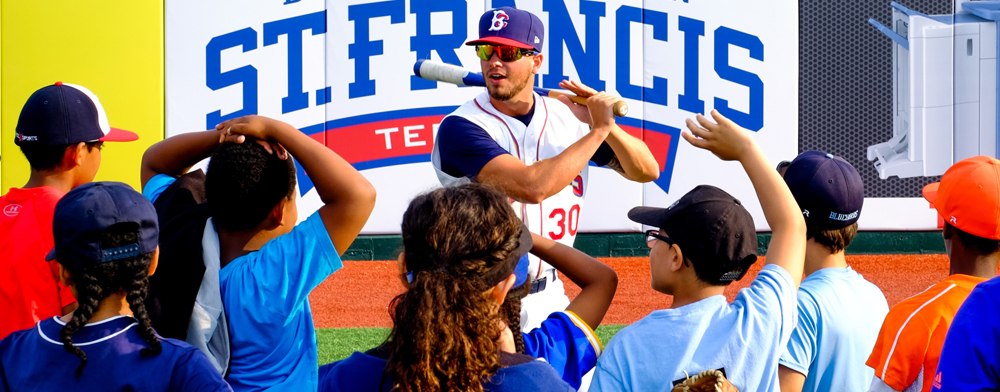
{"x":706,"y":381}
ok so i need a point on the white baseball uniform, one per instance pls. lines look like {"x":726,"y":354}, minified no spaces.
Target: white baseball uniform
{"x":551,"y":129}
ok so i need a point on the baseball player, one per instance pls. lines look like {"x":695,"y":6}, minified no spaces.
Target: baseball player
{"x":533,"y":148}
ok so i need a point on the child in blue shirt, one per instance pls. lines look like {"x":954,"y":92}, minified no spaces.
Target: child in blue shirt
{"x":839,"y":312}
{"x":461,"y":246}
{"x":706,"y":240}
{"x":266,"y":264}
{"x":566,"y":339}
{"x":106,"y":246}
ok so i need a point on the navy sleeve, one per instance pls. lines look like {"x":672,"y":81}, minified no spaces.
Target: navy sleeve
{"x":465,"y":147}
{"x":193,"y":372}
{"x":603,"y":155}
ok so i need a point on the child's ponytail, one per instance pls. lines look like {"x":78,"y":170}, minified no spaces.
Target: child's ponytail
{"x":458,"y":243}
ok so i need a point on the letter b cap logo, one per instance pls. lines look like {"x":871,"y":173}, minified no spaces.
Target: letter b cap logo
{"x":499,"y":20}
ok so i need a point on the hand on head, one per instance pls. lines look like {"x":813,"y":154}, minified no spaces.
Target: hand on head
{"x":724,"y":138}
{"x":258,"y":127}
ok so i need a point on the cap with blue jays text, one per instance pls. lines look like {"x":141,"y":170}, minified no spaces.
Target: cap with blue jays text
{"x":83,"y":214}
{"x":712,"y":228}
{"x":828,"y":189}
{"x":65,"y":113}
{"x":511,"y":27}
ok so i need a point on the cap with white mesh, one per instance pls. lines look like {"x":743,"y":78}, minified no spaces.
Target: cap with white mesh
{"x":65,"y":113}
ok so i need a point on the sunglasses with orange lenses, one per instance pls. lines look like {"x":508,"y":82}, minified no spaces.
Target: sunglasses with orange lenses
{"x":507,"y":53}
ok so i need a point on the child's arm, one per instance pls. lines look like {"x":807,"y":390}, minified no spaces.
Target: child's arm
{"x":347,"y":196}
{"x":597,"y":281}
{"x":174,"y":156}
{"x":729,"y":141}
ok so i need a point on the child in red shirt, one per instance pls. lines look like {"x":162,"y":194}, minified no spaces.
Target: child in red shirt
{"x":60,"y":131}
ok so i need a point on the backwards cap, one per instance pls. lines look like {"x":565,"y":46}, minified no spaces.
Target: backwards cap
{"x":82,"y":216}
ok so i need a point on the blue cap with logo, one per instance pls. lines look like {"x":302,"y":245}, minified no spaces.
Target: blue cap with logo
{"x":82,"y":216}
{"x":510,"y":27}
{"x":828,"y":189}
{"x":65,"y":113}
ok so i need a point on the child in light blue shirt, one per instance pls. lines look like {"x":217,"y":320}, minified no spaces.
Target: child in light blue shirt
{"x":839,"y":312}
{"x":705,"y":241}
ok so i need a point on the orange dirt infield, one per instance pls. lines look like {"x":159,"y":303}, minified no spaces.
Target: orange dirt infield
{"x":358,"y":295}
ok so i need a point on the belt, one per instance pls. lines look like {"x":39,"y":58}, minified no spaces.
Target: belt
{"x":539,"y":284}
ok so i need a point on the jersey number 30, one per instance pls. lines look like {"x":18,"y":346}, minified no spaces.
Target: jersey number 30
{"x":566,"y":222}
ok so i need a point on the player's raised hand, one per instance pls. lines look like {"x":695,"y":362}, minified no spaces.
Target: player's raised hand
{"x":724,"y":138}
{"x":598,"y":111}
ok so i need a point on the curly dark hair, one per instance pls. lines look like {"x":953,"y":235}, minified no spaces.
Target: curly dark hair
{"x":97,"y":282}
{"x":244,"y":182}
{"x":445,"y":326}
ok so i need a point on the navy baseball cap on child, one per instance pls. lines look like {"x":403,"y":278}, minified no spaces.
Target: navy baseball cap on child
{"x":712,"y":228}
{"x":82,"y":216}
{"x":65,"y":113}
{"x":510,"y":26}
{"x":829,"y":190}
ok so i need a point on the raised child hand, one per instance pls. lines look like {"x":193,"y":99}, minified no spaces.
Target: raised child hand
{"x":723,"y":138}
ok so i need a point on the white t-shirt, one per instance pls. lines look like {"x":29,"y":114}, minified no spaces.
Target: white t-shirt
{"x":744,"y":339}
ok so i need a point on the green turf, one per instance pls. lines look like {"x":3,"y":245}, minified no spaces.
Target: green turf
{"x":335,"y":344}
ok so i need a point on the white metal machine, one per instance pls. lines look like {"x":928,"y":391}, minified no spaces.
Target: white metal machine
{"x":944,"y":89}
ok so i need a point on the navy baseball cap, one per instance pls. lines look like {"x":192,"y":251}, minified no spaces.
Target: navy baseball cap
{"x":828,"y":189}
{"x":82,"y":216}
{"x":511,"y":27}
{"x":65,"y":113}
{"x":712,"y":228}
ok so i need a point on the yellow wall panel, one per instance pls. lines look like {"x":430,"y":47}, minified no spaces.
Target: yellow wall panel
{"x":112,"y":47}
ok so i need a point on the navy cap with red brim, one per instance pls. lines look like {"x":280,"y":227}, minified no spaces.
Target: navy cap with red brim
{"x":119,"y":135}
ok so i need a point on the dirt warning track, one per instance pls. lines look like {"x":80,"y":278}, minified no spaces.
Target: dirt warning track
{"x":358,"y":295}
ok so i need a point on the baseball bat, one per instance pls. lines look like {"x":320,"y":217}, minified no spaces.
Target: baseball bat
{"x":448,"y":73}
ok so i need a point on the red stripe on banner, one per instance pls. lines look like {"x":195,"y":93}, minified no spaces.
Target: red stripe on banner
{"x":383,"y":139}
{"x":658,"y":143}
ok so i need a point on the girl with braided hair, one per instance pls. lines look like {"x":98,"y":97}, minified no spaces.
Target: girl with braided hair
{"x":106,"y":246}
{"x":566,"y":339}
{"x":461,"y":246}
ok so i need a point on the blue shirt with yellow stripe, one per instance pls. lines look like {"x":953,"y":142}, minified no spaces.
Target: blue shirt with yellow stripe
{"x":567,"y":343}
